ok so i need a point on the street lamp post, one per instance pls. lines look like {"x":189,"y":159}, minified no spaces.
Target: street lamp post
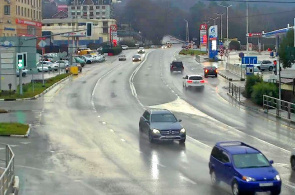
{"x":226,"y":19}
{"x":187,"y":31}
{"x":220,"y":24}
{"x":214,"y":20}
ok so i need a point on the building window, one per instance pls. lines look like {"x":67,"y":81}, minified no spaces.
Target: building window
{"x":59,"y":24}
{"x":97,"y":7}
{"x":97,"y":13}
{"x":105,"y":31}
{"x":73,"y":13}
{"x":91,"y":13}
{"x":79,"y":13}
{"x":103,"y":7}
{"x":103,"y":13}
{"x":84,"y":7}
{"x":22,"y":10}
{"x":91,"y":7}
{"x":97,"y":17}
{"x":6,"y":9}
{"x":73,"y":7}
{"x":104,"y":23}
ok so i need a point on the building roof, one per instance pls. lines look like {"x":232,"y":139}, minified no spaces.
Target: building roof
{"x":61,"y":14}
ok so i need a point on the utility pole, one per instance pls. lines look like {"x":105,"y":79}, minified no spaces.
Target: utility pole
{"x":187,"y":32}
{"x":214,"y":20}
{"x":220,"y":24}
{"x":247,"y":28}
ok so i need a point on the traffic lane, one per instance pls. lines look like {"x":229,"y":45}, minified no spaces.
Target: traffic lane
{"x":148,"y":78}
{"x":164,"y":161}
{"x":30,"y":169}
{"x":210,"y":101}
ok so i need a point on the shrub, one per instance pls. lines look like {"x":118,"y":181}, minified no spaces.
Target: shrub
{"x":263,"y":88}
{"x":250,"y":82}
{"x":235,"y":45}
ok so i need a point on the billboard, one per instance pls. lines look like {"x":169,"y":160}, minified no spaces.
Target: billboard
{"x":203,"y":37}
{"x":213,"y":41}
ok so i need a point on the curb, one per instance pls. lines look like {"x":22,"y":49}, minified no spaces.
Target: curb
{"x":37,"y":96}
{"x":24,"y":136}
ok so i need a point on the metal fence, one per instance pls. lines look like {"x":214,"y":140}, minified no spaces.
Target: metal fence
{"x":237,"y":70}
{"x":279,"y":108}
{"x":234,"y":91}
{"x":7,"y":172}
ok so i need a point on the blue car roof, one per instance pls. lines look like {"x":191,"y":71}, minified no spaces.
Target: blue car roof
{"x":236,"y":147}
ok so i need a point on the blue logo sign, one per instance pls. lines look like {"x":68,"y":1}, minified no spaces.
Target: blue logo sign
{"x":249,"y":60}
{"x":6,"y":44}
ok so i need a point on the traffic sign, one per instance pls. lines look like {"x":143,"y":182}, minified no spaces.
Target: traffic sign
{"x":249,"y":69}
{"x":42,"y":43}
{"x":114,"y":27}
{"x":249,"y":60}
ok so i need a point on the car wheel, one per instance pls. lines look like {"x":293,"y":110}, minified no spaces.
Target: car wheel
{"x":39,"y":70}
{"x":182,"y":141}
{"x":88,"y":62}
{"x":293,"y":163}
{"x":270,"y":68}
{"x":214,"y":179}
{"x":235,"y":188}
{"x":216,"y":75}
{"x":151,"y":139}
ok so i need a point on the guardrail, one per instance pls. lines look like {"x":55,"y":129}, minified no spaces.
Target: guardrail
{"x":7,"y":176}
{"x":279,"y":108}
{"x":234,"y":91}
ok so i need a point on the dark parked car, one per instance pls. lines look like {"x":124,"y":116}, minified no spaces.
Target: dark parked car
{"x":176,"y":66}
{"x":210,"y":71}
{"x":244,"y":168}
{"x":161,"y":125}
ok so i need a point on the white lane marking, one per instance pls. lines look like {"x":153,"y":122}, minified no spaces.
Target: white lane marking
{"x":133,"y":90}
{"x":172,"y":91}
{"x":187,"y":179}
{"x":161,"y":165}
{"x":123,"y":140}
{"x":104,"y":123}
{"x":98,"y":116}
{"x":112,"y":130}
{"x":25,"y":143}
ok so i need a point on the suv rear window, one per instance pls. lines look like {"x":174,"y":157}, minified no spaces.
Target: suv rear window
{"x":177,"y":64}
{"x":195,"y":78}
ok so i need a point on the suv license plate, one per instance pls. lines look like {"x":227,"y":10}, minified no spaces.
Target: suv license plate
{"x":265,"y":184}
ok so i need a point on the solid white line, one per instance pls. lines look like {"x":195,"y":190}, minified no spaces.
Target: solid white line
{"x":123,"y":140}
{"x":187,"y":179}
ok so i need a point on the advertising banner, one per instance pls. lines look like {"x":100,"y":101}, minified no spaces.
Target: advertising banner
{"x":213,"y":41}
{"x":203,"y":37}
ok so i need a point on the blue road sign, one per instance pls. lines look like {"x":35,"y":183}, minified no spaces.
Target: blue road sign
{"x":249,"y":60}
{"x":249,"y":69}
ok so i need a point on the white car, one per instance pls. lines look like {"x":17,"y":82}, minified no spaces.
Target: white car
{"x":24,"y":72}
{"x":122,"y":58}
{"x":193,"y":81}
{"x":48,"y":64}
{"x":62,"y":63}
{"x":141,"y":50}
{"x":124,"y":47}
{"x":88,"y":58}
{"x":42,"y":69}
{"x":292,"y":159}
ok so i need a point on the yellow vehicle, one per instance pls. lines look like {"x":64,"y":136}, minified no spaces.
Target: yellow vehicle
{"x":86,"y":51}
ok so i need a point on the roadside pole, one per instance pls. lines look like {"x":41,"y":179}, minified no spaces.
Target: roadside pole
{"x":20,"y":81}
{"x":43,"y":82}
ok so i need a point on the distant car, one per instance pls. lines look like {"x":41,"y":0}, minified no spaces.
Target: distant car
{"x":161,"y":125}
{"x":210,"y":71}
{"x":62,"y":63}
{"x":193,"y":81}
{"x":141,"y":50}
{"x":122,"y":58}
{"x":176,"y":66}
{"x":292,"y":159}
{"x":266,"y":65}
{"x":80,"y":61}
{"x":136,"y":58}
{"x":48,"y":64}
{"x":88,"y":58}
{"x":24,"y":72}
{"x":42,"y":69}
{"x":244,"y":168}
{"x":124,"y":47}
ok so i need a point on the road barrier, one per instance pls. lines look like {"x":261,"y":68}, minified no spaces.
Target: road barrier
{"x":7,"y":175}
{"x":236,"y":70}
{"x":279,"y":108}
{"x":234,"y":91}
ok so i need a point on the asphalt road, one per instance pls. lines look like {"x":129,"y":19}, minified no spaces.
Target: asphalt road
{"x":85,"y":137}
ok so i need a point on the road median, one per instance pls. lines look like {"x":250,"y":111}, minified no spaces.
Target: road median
{"x":33,"y":91}
{"x":15,"y":129}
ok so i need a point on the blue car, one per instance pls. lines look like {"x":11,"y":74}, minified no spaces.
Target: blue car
{"x":244,"y":168}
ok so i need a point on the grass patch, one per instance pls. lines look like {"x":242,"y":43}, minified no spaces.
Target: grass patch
{"x":28,"y":88}
{"x":3,"y":111}
{"x":192,"y":52}
{"x":13,"y":129}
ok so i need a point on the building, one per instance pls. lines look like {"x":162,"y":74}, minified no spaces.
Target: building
{"x":20,"y":18}
{"x":66,"y":28}
{"x":90,"y":9}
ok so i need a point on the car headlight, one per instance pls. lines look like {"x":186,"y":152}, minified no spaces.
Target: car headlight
{"x":277,"y":177}
{"x":248,"y":179}
{"x":156,"y":131}
{"x":182,"y":130}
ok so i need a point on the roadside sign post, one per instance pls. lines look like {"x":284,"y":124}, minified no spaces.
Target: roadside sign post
{"x":249,"y":61}
{"x":42,"y":44}
{"x":20,"y":66}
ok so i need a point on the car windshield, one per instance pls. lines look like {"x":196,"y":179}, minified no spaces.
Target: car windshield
{"x":136,"y":56}
{"x":177,"y":64}
{"x":250,"y":160}
{"x":163,"y":118}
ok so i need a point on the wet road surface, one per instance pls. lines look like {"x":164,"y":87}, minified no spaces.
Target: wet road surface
{"x":85,"y":137}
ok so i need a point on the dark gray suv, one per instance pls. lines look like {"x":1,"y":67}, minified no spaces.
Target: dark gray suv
{"x":161,"y":125}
